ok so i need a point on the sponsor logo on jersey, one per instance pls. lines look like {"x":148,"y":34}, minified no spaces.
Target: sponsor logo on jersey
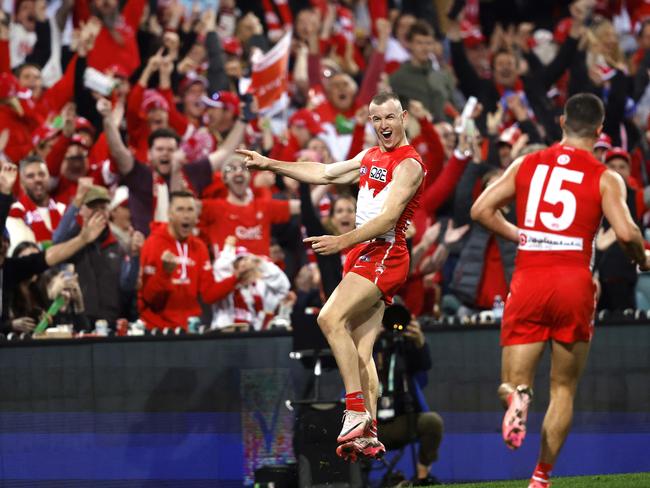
{"x":530,"y":240}
{"x":563,"y":159}
{"x":378,"y":174}
{"x":363,"y":170}
{"x":249,"y":233}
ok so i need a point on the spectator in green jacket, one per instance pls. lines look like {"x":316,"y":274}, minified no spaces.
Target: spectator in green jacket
{"x":422,"y":78}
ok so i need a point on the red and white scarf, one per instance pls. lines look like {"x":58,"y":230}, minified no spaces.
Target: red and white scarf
{"x":275,"y":23}
{"x":27,"y":210}
{"x":161,"y":196}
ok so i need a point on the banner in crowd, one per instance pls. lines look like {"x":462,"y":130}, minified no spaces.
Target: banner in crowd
{"x":270,"y":74}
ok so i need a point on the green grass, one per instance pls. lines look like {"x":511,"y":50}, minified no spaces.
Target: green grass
{"x":634,"y":480}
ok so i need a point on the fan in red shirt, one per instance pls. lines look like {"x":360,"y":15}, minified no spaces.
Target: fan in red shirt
{"x":561,"y":195}
{"x":175,"y":269}
{"x":242,"y":215}
{"x":116,"y":42}
{"x":18,"y":115}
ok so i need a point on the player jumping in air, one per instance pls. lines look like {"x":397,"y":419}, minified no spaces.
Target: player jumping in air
{"x":390,"y":178}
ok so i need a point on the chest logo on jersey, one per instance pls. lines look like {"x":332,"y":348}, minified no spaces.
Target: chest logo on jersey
{"x":363,"y":170}
{"x":378,"y":174}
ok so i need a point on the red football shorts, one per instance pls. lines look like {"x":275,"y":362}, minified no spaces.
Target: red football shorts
{"x":384,"y":263}
{"x":549,"y":303}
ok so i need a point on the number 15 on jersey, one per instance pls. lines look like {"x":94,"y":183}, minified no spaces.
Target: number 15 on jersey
{"x":554,"y":194}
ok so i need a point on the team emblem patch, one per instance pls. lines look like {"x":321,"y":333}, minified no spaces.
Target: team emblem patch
{"x":363,"y":170}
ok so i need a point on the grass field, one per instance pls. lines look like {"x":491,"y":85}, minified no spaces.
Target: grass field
{"x":634,"y":480}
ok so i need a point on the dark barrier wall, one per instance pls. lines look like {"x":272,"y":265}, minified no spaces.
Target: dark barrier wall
{"x":210,"y":410}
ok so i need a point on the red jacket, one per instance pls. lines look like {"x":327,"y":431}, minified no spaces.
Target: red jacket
{"x":169,"y":300}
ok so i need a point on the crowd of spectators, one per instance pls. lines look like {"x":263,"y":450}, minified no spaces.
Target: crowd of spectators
{"x":119,"y":120}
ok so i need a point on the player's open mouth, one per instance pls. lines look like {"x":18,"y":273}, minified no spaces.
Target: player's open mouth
{"x":386,"y":134}
{"x":186,"y":226}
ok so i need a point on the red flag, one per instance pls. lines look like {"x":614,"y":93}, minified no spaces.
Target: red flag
{"x":269,"y":78}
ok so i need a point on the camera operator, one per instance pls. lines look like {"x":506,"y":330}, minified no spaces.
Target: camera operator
{"x":403,"y":358}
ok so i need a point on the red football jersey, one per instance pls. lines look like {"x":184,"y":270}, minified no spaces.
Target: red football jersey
{"x":376,"y":176}
{"x":250,"y":224}
{"x":558,"y":206}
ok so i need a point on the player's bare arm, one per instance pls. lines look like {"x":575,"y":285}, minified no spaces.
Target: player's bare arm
{"x":487,"y":207}
{"x":407,"y":178}
{"x":343,"y":172}
{"x":617,"y":213}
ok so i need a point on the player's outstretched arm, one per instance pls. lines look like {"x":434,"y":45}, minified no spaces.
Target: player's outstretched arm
{"x":407,"y":178}
{"x":617,"y":213}
{"x":343,"y":172}
{"x":487,"y":207}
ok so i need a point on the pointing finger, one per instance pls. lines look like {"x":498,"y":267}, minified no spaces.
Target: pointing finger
{"x":245,"y":152}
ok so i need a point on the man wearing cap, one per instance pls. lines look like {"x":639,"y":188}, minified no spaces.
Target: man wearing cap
{"x":107,"y":274}
{"x":504,"y":143}
{"x":603,"y":144}
{"x":615,"y":272}
{"x":192,"y":90}
{"x":75,"y":165}
{"x":15,"y":270}
{"x":221,"y":113}
{"x":619,"y":160}
{"x":35,"y":215}
{"x":303,"y":126}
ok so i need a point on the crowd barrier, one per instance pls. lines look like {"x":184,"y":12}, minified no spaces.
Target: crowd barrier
{"x":209,"y":410}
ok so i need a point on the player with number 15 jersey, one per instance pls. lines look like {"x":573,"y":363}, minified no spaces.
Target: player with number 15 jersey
{"x":561,"y":195}
{"x":559,"y":211}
